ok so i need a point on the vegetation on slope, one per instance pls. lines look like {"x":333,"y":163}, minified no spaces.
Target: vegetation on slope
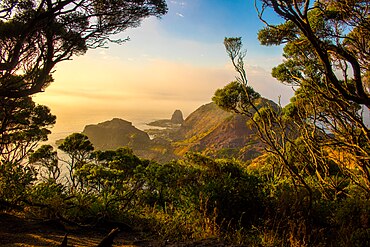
{"x":311,"y":187}
{"x":209,"y":130}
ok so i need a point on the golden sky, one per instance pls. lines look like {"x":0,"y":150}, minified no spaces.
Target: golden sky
{"x":176,"y":62}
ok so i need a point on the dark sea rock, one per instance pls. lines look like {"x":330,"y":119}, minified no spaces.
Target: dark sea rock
{"x":177,"y":117}
{"x":116,"y":133}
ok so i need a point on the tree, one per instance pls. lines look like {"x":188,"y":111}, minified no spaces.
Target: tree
{"x":323,"y":38}
{"x":46,"y":158}
{"x":272,"y":128}
{"x":23,"y":124}
{"x":78,"y":148}
{"x":318,"y":145}
{"x":116,"y":176}
{"x":35,"y":35}
{"x":332,"y":35}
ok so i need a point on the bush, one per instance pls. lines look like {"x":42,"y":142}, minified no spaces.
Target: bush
{"x":353,"y":220}
{"x":15,"y":181}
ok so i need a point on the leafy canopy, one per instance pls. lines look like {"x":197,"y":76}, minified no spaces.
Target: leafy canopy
{"x":36,"y":35}
{"x":327,"y":39}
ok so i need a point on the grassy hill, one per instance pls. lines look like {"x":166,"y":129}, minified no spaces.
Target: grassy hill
{"x":209,"y":130}
{"x":217,"y":133}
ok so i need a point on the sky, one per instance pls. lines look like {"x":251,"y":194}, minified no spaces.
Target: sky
{"x":175,"y":62}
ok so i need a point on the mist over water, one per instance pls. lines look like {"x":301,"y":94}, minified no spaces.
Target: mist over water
{"x":74,"y":119}
{"x":69,"y":122}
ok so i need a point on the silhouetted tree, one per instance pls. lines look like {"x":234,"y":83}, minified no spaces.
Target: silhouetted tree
{"x":35,"y":35}
{"x":333,"y":36}
{"x":23,"y":124}
{"x":78,"y":148}
{"x":46,"y":158}
{"x":327,"y":56}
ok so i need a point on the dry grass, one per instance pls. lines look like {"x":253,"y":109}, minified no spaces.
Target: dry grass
{"x":17,"y":231}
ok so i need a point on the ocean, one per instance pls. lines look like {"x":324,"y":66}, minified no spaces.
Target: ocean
{"x":67,"y":125}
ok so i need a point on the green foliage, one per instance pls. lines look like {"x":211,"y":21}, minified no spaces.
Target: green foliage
{"x":37,"y":35}
{"x":49,"y":199}
{"x":233,"y":97}
{"x":195,"y":198}
{"x":353,"y":219}
{"x":46,"y":158}
{"x":77,"y":145}
{"x":232,"y":189}
{"x":310,"y":189}
{"x":280,"y":34}
{"x":264,"y":114}
{"x":325,"y":112}
{"x":224,"y":184}
{"x":15,"y":182}
{"x":166,"y":183}
{"x":78,"y":148}
{"x":113,"y":173}
{"x":23,"y":125}
{"x":317,"y":143}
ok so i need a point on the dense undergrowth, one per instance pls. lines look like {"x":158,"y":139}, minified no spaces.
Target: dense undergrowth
{"x":310,"y":188}
{"x":194,"y":198}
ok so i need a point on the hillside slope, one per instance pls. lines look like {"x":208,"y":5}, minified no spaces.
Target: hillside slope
{"x":217,"y":133}
{"x":209,"y":130}
{"x":116,"y":133}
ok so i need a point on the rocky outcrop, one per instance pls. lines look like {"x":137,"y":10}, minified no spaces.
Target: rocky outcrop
{"x":116,"y":133}
{"x":176,"y":120}
{"x":177,"y":117}
{"x":203,"y":120}
{"x":217,"y":133}
{"x":209,"y":130}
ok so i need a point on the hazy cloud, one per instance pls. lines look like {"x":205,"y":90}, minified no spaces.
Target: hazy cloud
{"x":181,"y":3}
{"x":89,"y":90}
{"x":150,"y":76}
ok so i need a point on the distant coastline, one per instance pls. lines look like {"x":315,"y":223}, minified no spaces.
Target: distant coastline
{"x":57,"y":133}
